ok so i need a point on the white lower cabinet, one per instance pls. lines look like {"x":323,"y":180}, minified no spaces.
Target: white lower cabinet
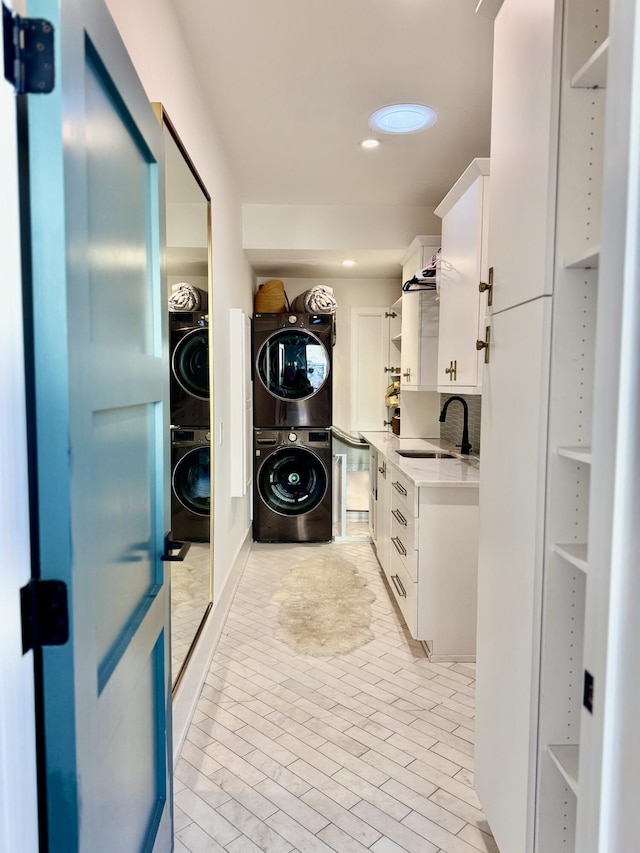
{"x":431,"y":562}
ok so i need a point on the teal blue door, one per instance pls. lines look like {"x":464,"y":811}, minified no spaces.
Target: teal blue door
{"x":100,"y":373}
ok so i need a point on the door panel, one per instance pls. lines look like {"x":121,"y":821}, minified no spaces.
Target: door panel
{"x":101,"y":383}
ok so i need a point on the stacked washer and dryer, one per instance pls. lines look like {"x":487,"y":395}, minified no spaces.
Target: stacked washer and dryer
{"x":190,"y":426}
{"x":292,"y":361}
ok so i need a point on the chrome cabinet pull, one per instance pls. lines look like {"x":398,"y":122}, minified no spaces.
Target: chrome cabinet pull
{"x":399,"y":516}
{"x":399,"y":546}
{"x":398,"y":585}
{"x":400,"y":488}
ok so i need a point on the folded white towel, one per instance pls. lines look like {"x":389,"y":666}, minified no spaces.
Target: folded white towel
{"x":184,"y":297}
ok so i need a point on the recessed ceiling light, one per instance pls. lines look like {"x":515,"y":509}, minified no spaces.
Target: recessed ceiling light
{"x":370,"y":143}
{"x":402,"y":118}
{"x":348,"y":263}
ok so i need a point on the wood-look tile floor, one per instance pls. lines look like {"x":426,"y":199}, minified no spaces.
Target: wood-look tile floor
{"x":371,"y":751}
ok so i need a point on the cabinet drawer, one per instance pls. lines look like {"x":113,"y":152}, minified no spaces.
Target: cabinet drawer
{"x":403,"y":491}
{"x":401,"y":544}
{"x":403,"y":524}
{"x":405,"y":592}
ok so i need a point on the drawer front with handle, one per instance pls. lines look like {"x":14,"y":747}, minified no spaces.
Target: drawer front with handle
{"x":404,"y":591}
{"x":405,"y":523}
{"x":406,"y":553}
{"x":403,"y":492}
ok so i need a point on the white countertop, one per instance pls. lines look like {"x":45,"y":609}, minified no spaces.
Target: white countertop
{"x":460,"y":471}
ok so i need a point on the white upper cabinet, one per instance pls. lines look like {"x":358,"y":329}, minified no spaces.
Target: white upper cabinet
{"x":524,"y":139}
{"x":419,"y":349}
{"x":464,"y":212}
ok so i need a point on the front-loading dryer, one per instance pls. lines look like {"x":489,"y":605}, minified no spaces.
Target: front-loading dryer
{"x":190,"y":485}
{"x":292,"y":495}
{"x":292,"y":370}
{"x":189,"y":350}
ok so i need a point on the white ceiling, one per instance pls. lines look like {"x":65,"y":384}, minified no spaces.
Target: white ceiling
{"x":291,"y":84}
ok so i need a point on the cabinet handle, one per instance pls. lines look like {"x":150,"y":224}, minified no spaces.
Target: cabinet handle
{"x":392,"y":370}
{"x":452,"y":370}
{"x":383,"y":469}
{"x":398,"y":585}
{"x":488,"y":286}
{"x":399,"y":546}
{"x":387,"y":423}
{"x":399,"y":516}
{"x":485,"y":344}
{"x":407,"y":374}
{"x":400,"y":488}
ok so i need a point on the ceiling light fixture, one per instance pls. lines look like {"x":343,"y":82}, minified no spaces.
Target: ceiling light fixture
{"x":402,"y":118}
{"x":348,"y":263}
{"x":370,"y":143}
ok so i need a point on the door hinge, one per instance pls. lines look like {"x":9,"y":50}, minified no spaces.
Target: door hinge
{"x":28,"y":53}
{"x":45,"y":614}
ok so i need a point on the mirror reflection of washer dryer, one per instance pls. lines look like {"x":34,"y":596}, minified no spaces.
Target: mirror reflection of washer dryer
{"x":190,"y":485}
{"x":189,"y":342}
{"x":292,"y":486}
{"x":292,"y":370}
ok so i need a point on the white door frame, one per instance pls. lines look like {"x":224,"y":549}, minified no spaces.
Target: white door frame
{"x":18,"y":787}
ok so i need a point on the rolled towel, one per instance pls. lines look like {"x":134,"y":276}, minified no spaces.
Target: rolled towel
{"x":320,"y":300}
{"x":298,"y":305}
{"x":184,"y":297}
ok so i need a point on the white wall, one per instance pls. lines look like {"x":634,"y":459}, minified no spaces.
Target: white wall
{"x":151,"y":33}
{"x":350,"y":293}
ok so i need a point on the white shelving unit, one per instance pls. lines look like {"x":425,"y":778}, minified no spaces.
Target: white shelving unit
{"x":565,"y":575}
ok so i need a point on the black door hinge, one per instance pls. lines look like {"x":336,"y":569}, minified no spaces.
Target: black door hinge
{"x":28,"y":53}
{"x":45,"y":614}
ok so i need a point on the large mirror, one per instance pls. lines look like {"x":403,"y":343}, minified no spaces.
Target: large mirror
{"x":188,"y":229}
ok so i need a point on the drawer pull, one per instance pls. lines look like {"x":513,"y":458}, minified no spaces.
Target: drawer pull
{"x":398,"y":585}
{"x":399,"y":546}
{"x":400,"y":488}
{"x":399,"y":516}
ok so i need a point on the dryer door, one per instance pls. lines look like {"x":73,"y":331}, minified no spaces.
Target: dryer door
{"x":190,"y":363}
{"x":292,"y":481}
{"x":293,"y":364}
{"x":192,"y":482}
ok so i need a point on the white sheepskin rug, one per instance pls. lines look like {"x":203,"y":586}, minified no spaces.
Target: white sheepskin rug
{"x":325,"y":607}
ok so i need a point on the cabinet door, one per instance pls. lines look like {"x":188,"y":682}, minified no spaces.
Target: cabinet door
{"x":369,"y":380}
{"x":462,"y":235}
{"x":383,"y":518}
{"x":510,"y":551}
{"x":524,"y":117}
{"x":410,"y":352}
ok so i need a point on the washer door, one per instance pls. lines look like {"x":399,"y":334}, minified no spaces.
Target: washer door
{"x":191,"y":481}
{"x":292,"y":481}
{"x":293,"y":364}
{"x":190,"y":363}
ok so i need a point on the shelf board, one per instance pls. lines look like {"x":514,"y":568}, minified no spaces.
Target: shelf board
{"x":587,"y":260}
{"x":578,"y":454}
{"x":396,"y":338}
{"x":593,"y":74}
{"x":566,"y":759}
{"x":574,"y":554}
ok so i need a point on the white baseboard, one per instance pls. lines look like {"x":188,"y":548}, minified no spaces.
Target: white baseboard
{"x":188,"y":692}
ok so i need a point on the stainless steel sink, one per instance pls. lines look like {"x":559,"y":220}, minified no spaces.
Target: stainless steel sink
{"x":425,"y":454}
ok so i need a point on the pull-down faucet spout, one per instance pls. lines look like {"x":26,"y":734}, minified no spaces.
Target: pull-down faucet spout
{"x":465,"y":447}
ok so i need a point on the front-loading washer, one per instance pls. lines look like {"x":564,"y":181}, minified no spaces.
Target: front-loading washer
{"x":190,"y":485}
{"x":189,"y":386}
{"x":292,"y":356}
{"x":292,"y":495}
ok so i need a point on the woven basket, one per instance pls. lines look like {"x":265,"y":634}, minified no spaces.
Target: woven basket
{"x":270,"y":298}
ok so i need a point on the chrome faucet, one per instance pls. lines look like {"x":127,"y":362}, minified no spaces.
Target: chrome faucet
{"x":465,"y":447}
